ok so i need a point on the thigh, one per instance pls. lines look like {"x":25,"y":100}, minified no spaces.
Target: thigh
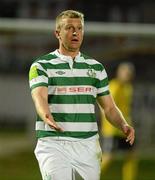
{"x":53,"y":163}
{"x":87,"y":160}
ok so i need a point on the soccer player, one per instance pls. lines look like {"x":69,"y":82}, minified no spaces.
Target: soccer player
{"x":65,"y":85}
{"x":121,"y":89}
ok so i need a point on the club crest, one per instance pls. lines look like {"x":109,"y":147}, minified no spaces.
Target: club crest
{"x":91,"y":72}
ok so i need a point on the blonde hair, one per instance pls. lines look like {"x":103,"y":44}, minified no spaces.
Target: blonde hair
{"x":68,"y":14}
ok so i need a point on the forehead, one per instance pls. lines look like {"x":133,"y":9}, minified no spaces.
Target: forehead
{"x":71,"y":21}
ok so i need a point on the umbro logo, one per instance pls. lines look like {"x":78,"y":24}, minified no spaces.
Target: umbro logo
{"x":60,"y":72}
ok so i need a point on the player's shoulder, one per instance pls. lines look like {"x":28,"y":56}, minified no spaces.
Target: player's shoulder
{"x":92,"y":62}
{"x":114,"y":81}
{"x":45,"y":58}
{"x":115,"y":85}
{"x":90,"y":59}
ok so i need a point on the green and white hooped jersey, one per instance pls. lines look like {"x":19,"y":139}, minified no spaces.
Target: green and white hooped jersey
{"x":73,"y":86}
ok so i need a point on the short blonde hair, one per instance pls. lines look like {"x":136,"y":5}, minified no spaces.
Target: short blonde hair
{"x":68,"y":14}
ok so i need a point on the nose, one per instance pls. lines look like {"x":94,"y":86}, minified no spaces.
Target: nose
{"x":74,"y":33}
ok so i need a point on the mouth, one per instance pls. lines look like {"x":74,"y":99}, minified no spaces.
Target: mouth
{"x":75,"y":40}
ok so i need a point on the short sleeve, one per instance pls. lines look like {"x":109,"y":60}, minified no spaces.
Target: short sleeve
{"x":37,"y":76}
{"x":103,"y":84}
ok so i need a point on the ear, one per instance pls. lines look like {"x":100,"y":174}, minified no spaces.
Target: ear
{"x":57,"y":34}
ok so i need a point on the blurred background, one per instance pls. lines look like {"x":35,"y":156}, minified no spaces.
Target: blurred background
{"x":115,"y":31}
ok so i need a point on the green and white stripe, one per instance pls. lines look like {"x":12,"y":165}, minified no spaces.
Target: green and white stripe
{"x":72,"y":108}
{"x":72,"y":90}
{"x":69,"y":126}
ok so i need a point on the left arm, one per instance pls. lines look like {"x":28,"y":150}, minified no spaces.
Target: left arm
{"x":115,"y":117}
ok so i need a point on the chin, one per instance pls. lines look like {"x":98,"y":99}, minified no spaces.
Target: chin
{"x":72,"y":49}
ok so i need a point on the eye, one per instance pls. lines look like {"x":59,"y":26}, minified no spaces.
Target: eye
{"x":69,"y":27}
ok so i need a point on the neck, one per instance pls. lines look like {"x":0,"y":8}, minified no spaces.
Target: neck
{"x":66,"y":52}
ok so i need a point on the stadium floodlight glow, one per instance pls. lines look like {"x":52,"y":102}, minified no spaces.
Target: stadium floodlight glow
{"x":91,"y":28}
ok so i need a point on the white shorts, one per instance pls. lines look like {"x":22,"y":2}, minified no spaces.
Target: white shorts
{"x":69,"y":160}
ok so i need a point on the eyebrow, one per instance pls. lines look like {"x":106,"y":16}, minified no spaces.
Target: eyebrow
{"x":70,"y":24}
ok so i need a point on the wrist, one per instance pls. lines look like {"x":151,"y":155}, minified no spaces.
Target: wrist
{"x":123,"y":125}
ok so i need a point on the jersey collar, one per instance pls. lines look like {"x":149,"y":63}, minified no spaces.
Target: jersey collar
{"x":68,"y":59}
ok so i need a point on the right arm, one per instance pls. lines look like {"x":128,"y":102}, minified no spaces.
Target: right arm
{"x":40,"y":99}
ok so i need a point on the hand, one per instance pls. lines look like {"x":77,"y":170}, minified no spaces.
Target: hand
{"x":52,"y":123}
{"x":130,"y":133}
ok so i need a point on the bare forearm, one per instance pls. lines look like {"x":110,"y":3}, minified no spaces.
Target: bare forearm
{"x":43,"y":111}
{"x":115,"y":117}
{"x":42,"y":107}
{"x":40,"y":98}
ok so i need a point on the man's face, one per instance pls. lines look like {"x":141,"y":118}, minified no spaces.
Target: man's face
{"x":125,"y":74}
{"x":71,"y":34}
